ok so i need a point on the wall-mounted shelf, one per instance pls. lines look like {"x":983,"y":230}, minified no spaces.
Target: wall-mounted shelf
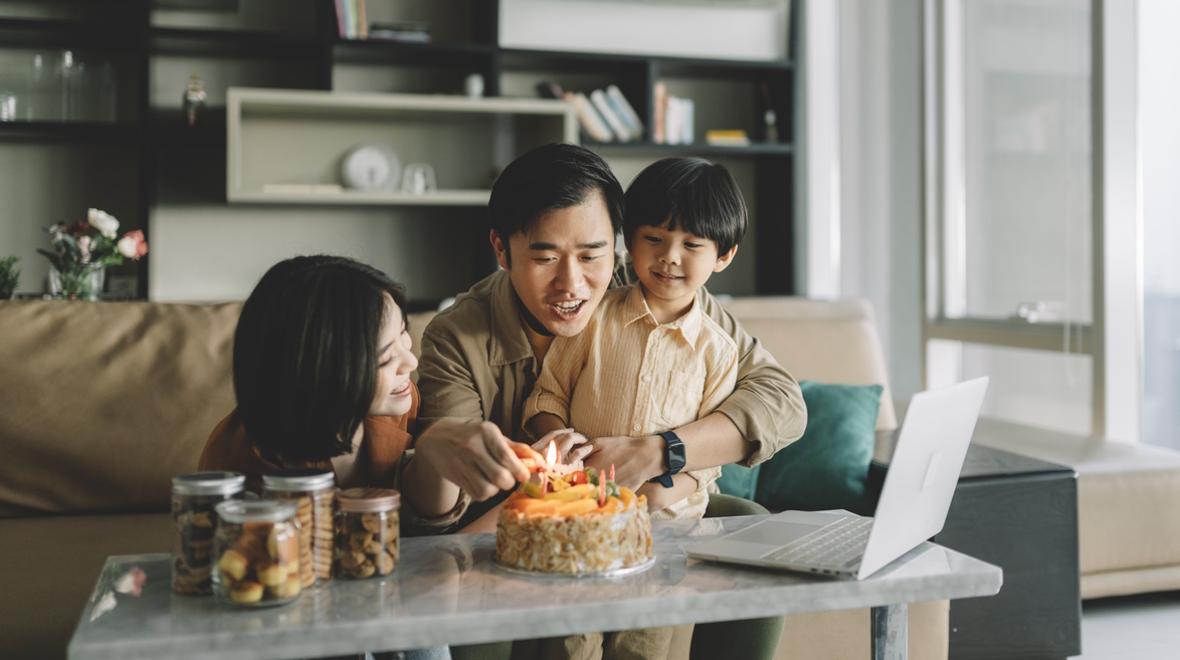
{"x":464,"y":140}
{"x":363,"y":198}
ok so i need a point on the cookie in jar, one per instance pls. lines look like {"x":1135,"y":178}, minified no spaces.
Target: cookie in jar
{"x":314,"y":493}
{"x":257,"y":548}
{"x":194,"y":497}
{"x":366,"y":532}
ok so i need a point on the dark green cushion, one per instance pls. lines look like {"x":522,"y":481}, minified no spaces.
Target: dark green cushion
{"x":739,"y":480}
{"x":827,"y":467}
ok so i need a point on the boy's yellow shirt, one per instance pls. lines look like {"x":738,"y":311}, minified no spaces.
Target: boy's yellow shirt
{"x":627,"y":374}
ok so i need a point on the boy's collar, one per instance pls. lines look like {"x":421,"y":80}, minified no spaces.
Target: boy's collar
{"x":689,"y":324}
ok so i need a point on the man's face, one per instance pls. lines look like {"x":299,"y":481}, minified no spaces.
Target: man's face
{"x":562,"y":266}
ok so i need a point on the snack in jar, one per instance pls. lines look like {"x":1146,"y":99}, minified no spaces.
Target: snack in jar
{"x":194,"y":497}
{"x":257,"y":548}
{"x":314,"y":493}
{"x":366,"y":532}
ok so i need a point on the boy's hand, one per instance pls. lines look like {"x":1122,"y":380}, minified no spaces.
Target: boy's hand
{"x":636,"y":460}
{"x":572,"y":446}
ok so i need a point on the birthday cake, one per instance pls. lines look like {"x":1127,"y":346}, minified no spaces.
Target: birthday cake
{"x":579,"y":523}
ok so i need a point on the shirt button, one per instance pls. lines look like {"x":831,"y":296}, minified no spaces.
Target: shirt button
{"x":635,"y":428}
{"x":645,"y":378}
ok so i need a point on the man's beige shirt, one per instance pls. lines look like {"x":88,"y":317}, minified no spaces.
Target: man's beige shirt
{"x":477,"y":364}
{"x":628,"y":374}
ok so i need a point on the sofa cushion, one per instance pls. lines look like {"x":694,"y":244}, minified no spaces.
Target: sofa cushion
{"x":102,"y":403}
{"x":827,"y":467}
{"x":739,"y":480}
{"x":831,"y":341}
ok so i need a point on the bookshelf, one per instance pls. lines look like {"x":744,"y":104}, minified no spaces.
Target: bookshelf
{"x":269,"y":45}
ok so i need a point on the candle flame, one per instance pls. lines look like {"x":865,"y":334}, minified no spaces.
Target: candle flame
{"x":551,"y":453}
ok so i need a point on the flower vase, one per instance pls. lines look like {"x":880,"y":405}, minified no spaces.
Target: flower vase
{"x":83,"y":283}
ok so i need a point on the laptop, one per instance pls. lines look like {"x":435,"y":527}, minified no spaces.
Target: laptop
{"x":913,"y":505}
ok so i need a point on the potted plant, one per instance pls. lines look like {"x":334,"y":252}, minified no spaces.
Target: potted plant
{"x":83,"y":250}
{"x":9,"y":276}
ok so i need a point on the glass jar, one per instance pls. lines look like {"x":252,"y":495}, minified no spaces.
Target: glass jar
{"x":366,"y":532}
{"x":194,"y":497}
{"x":257,"y":550}
{"x":314,"y":493}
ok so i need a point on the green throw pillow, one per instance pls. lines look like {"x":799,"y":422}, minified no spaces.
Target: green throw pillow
{"x":739,"y":480}
{"x":827,"y":467}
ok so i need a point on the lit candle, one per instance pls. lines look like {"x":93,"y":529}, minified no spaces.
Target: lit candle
{"x":601,"y":490}
{"x":612,"y":471}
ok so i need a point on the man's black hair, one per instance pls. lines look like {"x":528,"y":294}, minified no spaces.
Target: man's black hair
{"x":691,"y":194}
{"x":306,"y":355}
{"x":555,"y":176}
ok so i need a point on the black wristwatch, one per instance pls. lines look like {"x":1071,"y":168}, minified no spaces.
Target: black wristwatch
{"x":673,"y":457}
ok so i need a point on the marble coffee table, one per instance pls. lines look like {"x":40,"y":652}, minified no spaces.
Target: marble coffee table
{"x":447,"y":590}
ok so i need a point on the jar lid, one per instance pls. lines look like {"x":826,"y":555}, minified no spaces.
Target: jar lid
{"x":368,"y":500}
{"x":246,"y":511}
{"x":209,"y":483}
{"x":311,"y":479}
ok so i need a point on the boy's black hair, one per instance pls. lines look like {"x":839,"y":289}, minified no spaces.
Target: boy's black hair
{"x":555,"y":176}
{"x":306,"y":355}
{"x":693,"y":195}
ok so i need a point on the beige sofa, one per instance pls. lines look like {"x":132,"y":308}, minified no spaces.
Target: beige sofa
{"x":101,"y":404}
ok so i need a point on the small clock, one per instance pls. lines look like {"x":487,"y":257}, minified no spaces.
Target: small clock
{"x":368,"y":167}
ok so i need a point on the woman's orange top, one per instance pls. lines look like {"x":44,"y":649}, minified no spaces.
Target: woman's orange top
{"x":384,"y":442}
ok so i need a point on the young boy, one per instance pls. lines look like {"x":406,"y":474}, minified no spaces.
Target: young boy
{"x":650,"y":360}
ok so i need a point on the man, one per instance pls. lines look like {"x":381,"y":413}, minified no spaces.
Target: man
{"x":555,"y":213}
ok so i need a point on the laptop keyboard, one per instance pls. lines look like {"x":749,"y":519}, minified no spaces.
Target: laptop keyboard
{"x":840,"y":545}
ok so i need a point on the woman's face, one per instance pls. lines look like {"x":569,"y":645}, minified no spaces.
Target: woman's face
{"x":395,"y":362}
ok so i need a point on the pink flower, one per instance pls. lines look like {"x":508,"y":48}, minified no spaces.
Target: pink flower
{"x":84,"y":248}
{"x":132,"y":245}
{"x":131,"y":582}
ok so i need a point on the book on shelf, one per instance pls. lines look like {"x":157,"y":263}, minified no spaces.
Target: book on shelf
{"x":404,"y":31}
{"x":659,"y":99}
{"x":362,"y":21}
{"x":624,"y":110}
{"x":588,"y":117}
{"x":727,"y":137}
{"x":598,"y":98}
{"x":678,"y":120}
{"x":548,"y":89}
{"x":674,"y":117}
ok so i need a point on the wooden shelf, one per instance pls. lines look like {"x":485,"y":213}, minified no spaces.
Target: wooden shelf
{"x":107,"y":36}
{"x":365,"y":198}
{"x":235,"y":43}
{"x":696,"y":149}
{"x":259,"y":149}
{"x":687,"y":62}
{"x":89,"y":132}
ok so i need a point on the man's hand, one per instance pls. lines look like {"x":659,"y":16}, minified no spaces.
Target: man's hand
{"x":636,"y":460}
{"x":475,"y":456}
{"x":571,"y":445}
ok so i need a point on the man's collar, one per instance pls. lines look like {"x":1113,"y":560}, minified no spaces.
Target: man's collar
{"x":509,"y":341}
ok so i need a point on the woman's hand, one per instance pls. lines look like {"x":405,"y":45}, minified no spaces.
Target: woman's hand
{"x":572,"y":446}
{"x":475,"y":456}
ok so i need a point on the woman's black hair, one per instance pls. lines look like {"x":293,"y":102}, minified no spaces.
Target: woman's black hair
{"x":306,"y":355}
{"x":547,"y":178}
{"x":692,"y":194}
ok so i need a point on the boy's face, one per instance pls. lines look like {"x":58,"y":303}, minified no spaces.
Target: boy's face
{"x":395,"y":363}
{"x":561,"y":268}
{"x":672,"y":264}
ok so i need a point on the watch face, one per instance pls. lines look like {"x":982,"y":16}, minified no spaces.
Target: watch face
{"x":367,"y":167}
